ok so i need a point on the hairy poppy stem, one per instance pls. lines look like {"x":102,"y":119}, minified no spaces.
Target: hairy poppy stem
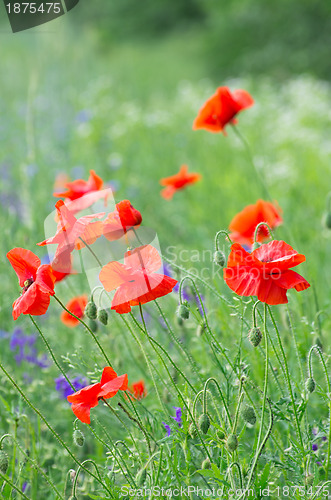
{"x":257,"y":230}
{"x":141,"y":427}
{"x":87,"y":328}
{"x":77,"y":474}
{"x":178,"y":342}
{"x":55,"y":434}
{"x":327,"y":378}
{"x":175,"y":386}
{"x":52,"y":354}
{"x":288,"y":380}
{"x":226,"y":234}
{"x":212,"y":379}
{"x":251,"y":160}
{"x":12,"y":485}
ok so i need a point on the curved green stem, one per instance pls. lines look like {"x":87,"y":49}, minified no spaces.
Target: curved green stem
{"x":226,"y":233}
{"x":87,"y":328}
{"x":257,"y":230}
{"x":51,"y":353}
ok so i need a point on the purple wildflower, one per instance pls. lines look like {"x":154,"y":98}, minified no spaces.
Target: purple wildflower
{"x":178,"y":417}
{"x":26,"y":349}
{"x":64,"y":388}
{"x":314,"y":447}
{"x":168,"y":429}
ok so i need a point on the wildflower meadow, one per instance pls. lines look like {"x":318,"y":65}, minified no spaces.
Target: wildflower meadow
{"x":165,"y":273}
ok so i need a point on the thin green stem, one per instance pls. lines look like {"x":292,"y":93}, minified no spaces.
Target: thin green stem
{"x":51,"y":353}
{"x":55,"y":434}
{"x":288,"y":380}
{"x":87,"y":328}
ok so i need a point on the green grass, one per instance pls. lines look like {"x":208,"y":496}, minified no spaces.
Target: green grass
{"x":141,"y":101}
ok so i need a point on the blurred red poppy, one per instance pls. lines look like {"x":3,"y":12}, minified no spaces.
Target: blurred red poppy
{"x":72,"y":233}
{"x":88,"y":397}
{"x":119,"y":222}
{"x":138,"y":389}
{"x":36,"y":280}
{"x":82,"y":194}
{"x":265,"y":272}
{"x":77,"y":306}
{"x":136,"y":280}
{"x":177,"y":182}
{"x":221,"y":109}
{"x":243,"y":224}
{"x":78,"y":188}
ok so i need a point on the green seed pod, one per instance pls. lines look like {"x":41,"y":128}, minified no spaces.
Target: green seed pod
{"x":248,"y":414}
{"x":255,"y":336}
{"x":192,"y":430}
{"x":93,"y":325}
{"x":4,"y":462}
{"x":219,"y":258}
{"x":78,"y":437}
{"x":103,"y":316}
{"x":183,"y":311}
{"x":220,"y":435}
{"x":204,"y":423}
{"x":91,"y":310}
{"x":201,"y":329}
{"x":310,"y":384}
{"x":206,"y":464}
{"x":141,"y":477}
{"x":232,"y":442}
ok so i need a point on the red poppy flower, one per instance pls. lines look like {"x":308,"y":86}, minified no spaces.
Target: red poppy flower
{"x":221,"y":109}
{"x":177,"y":182}
{"x":119,"y":222}
{"x":82,"y":194}
{"x":265,"y":272}
{"x":243,"y":225}
{"x":70,"y":233}
{"x":77,"y":306}
{"x":88,"y":397}
{"x":136,"y":280}
{"x":138,"y":389}
{"x":37,"y":282}
{"x":58,"y":271}
{"x":79,"y":188}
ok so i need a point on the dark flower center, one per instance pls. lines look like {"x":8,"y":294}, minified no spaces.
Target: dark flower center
{"x":27,"y":284}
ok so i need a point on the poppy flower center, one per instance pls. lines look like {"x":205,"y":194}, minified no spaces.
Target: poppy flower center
{"x":27,"y":284}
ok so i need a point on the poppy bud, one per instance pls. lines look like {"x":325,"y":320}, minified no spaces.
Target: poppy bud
{"x":141,"y":477}
{"x":103,"y":316}
{"x":248,"y":414}
{"x":91,"y":310}
{"x":204,"y":423}
{"x":232,"y":442}
{"x":310,"y":384}
{"x":93,"y":325}
{"x":201,"y":329}
{"x":183,"y":311}
{"x":78,"y":437}
{"x":219,"y":258}
{"x":192,"y":430}
{"x":220,"y":435}
{"x":206,"y":464}
{"x":255,"y":336}
{"x":4,"y":462}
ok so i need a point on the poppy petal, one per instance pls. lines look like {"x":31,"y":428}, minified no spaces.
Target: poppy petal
{"x":45,"y":278}
{"x":111,"y":388}
{"x":243,"y":98}
{"x":108,"y":374}
{"x":144,"y":257}
{"x":113,"y":275}
{"x":24,"y":263}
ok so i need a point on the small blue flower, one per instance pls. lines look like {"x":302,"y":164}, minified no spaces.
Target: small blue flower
{"x":314,"y":447}
{"x":168,"y":429}
{"x":64,"y":388}
{"x":178,"y":417}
